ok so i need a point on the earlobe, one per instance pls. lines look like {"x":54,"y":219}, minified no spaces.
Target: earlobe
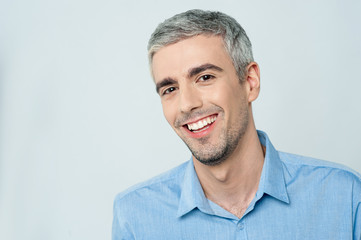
{"x":253,"y":81}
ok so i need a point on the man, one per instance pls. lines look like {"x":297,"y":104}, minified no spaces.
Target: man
{"x":236,"y":186}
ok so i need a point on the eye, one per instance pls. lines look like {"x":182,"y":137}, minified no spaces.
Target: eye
{"x":168,"y":90}
{"x":206,"y":77}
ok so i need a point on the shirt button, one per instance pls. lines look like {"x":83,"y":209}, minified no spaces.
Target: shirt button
{"x":240,"y":226}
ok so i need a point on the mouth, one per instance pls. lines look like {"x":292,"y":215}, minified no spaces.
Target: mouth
{"x":202,"y":124}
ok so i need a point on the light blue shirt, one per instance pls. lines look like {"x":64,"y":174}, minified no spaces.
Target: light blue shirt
{"x":297,"y":198}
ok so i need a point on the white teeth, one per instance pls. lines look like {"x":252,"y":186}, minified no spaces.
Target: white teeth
{"x":201,"y":123}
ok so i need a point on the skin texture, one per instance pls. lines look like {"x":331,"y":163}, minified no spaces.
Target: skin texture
{"x":213,"y":91}
{"x":196,"y":79}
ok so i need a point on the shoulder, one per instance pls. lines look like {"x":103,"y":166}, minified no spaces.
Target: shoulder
{"x":143,"y":202}
{"x":294,"y":163}
{"x":331,"y":186}
{"x":155,"y":185}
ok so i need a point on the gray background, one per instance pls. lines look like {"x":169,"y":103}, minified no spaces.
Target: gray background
{"x":80,"y":120}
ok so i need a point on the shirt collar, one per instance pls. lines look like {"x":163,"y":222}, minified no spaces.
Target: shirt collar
{"x":192,"y":195}
{"x":272,"y":182}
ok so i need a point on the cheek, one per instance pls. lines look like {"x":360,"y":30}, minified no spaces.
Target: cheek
{"x":231,"y":99}
{"x":168,"y":112}
{"x":222,"y":95}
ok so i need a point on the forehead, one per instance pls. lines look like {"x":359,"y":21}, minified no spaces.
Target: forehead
{"x":176,"y":59}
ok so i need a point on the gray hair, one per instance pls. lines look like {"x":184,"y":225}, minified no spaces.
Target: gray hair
{"x":196,"y":22}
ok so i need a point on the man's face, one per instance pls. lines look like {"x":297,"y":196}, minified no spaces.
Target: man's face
{"x":202,"y":97}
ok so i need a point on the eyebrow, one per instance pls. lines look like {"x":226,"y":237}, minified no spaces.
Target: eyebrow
{"x":201,"y":68}
{"x":191,"y":72}
{"x":164,"y":82}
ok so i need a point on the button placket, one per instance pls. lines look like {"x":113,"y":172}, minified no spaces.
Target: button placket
{"x":240,"y":225}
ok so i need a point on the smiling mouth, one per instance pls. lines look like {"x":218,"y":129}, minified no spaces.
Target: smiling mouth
{"x":202,"y":124}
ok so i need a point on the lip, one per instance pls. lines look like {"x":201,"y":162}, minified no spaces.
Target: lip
{"x":203,"y":132}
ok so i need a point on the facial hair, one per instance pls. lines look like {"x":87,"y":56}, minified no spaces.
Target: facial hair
{"x":215,"y":153}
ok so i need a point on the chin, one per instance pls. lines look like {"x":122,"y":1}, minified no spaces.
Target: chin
{"x":213,"y":158}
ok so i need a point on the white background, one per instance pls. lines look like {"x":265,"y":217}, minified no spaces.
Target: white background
{"x":80,"y":119}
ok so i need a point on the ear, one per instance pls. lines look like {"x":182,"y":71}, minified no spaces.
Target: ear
{"x":252,"y":81}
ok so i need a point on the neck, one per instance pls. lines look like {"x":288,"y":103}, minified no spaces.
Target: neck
{"x":234,"y":183}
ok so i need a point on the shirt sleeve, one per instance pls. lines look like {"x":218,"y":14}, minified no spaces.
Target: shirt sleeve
{"x":357,"y":210}
{"x":120,"y":229}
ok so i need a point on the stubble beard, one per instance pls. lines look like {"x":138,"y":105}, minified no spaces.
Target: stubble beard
{"x":212,"y":154}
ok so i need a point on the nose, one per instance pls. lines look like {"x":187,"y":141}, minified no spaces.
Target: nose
{"x":189,"y":99}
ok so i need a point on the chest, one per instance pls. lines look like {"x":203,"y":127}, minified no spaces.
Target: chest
{"x":270,"y":219}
